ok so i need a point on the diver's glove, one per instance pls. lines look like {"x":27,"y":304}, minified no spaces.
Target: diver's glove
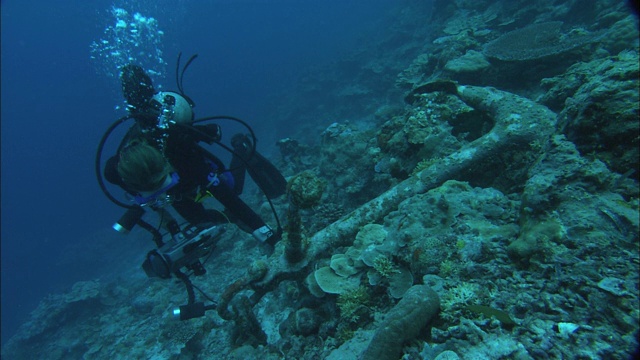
{"x":213,"y":132}
{"x":242,"y":145}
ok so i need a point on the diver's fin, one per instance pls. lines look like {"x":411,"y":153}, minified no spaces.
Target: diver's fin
{"x":261,"y":170}
{"x":267,"y":176}
{"x":137,"y":87}
{"x":238,"y":170}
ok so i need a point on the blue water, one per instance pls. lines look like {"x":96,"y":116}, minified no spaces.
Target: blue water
{"x":56,"y":106}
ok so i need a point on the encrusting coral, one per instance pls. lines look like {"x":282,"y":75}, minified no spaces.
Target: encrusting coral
{"x":304,"y":191}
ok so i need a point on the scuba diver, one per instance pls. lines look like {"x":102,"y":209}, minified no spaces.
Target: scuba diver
{"x":160,"y":161}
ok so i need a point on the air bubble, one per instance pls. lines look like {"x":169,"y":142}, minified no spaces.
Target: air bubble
{"x":140,"y":45}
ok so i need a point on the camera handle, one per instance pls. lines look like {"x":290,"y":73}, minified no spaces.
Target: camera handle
{"x":193,"y":309}
{"x":175,"y":231}
{"x":133,"y":217}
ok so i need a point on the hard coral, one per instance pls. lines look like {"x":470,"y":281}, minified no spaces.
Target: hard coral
{"x":535,"y":41}
{"x":352,"y":302}
{"x":306,"y":189}
{"x":384,"y":266}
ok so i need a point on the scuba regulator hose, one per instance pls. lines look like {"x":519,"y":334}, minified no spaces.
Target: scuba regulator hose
{"x":193,"y":309}
{"x":98,"y":162}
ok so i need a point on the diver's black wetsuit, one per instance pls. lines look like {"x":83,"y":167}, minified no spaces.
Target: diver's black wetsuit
{"x":194,"y":165}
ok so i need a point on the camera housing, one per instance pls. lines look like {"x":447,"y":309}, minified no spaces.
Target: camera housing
{"x":184,"y":250}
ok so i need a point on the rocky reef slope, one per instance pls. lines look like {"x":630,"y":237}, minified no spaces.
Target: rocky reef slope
{"x":470,"y":190}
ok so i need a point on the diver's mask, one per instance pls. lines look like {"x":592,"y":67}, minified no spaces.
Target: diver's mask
{"x":159,"y":197}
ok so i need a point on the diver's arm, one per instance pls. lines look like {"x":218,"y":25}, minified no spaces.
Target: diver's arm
{"x":244,"y":214}
{"x":238,"y":208}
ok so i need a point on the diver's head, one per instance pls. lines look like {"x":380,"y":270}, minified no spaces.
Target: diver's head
{"x":181,"y":108}
{"x":143,"y":167}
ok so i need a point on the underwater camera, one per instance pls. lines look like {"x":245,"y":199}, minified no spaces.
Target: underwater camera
{"x":184,"y":250}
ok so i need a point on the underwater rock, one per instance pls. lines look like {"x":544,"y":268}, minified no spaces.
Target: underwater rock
{"x":477,"y":15}
{"x":83,"y":290}
{"x":347,"y":157}
{"x":600,"y":114}
{"x":306,"y":321}
{"x":558,"y":184}
{"x":614,"y":286}
{"x":417,"y":70}
{"x":447,"y":355}
{"x":245,"y":352}
{"x":351,"y":348}
{"x":445,"y":86}
{"x":565,"y":329}
{"x":142,"y":305}
{"x":535,"y":237}
{"x":452,"y":220}
{"x":472,"y":61}
{"x":561,"y":164}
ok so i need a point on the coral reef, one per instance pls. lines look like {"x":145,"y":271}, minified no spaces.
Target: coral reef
{"x":471,"y":61}
{"x":476,"y":160}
